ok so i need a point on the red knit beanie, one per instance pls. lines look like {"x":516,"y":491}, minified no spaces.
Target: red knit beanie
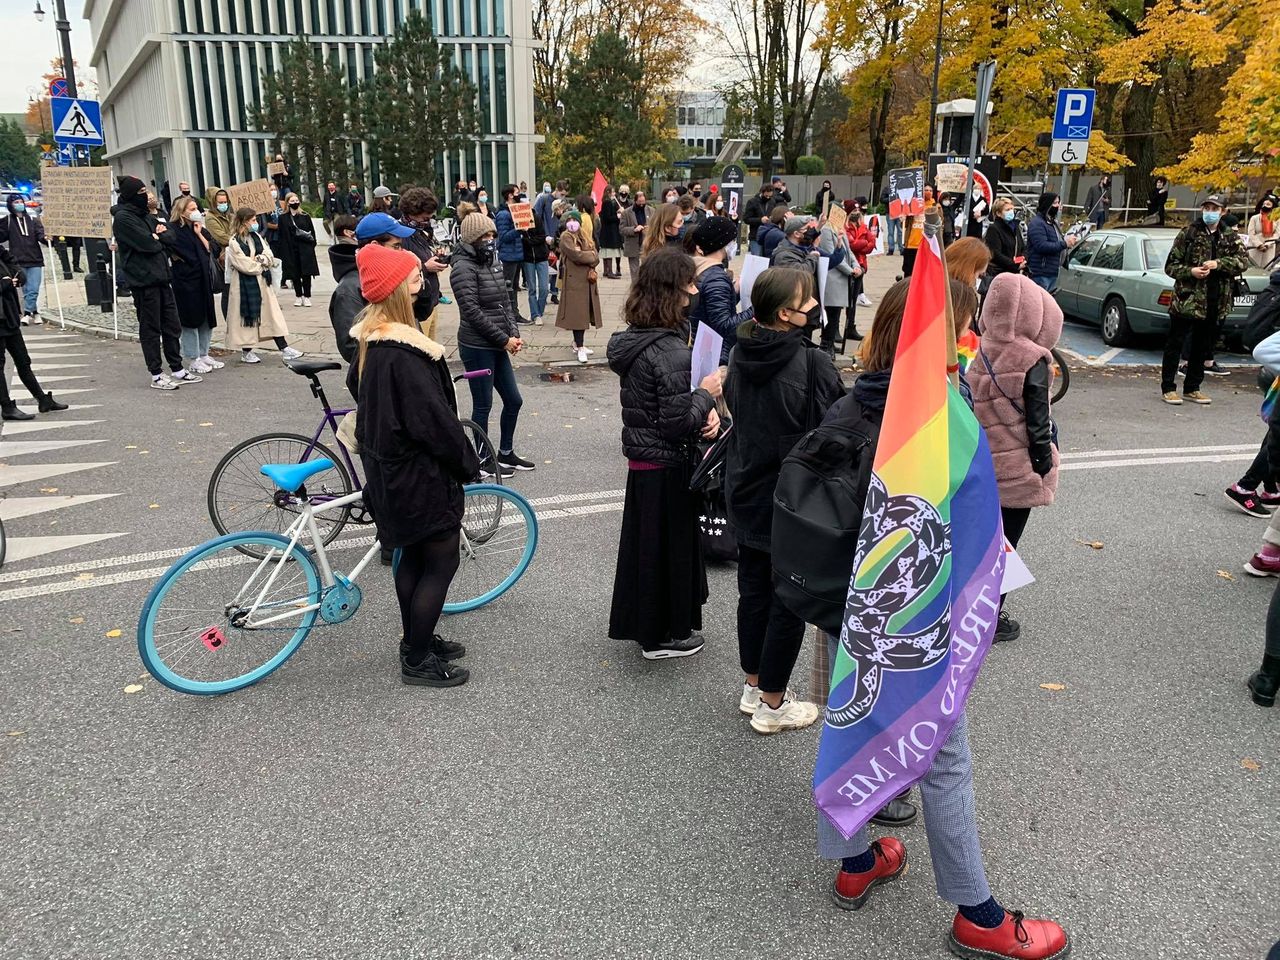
{"x":382,"y":269}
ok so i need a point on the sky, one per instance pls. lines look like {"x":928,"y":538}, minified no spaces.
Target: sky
{"x":30,"y":46}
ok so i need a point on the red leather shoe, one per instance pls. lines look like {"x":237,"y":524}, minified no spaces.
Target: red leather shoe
{"x":852,"y":890}
{"x":1017,"y":937}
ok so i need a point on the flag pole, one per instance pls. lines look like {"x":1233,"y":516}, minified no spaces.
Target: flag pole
{"x":933,"y":231}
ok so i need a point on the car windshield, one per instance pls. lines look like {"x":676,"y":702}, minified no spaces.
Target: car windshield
{"x":1156,"y":250}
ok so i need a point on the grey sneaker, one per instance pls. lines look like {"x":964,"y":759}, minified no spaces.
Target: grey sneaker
{"x":162,"y":382}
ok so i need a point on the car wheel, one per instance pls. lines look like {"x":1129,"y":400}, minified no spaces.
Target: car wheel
{"x":1116,"y":331}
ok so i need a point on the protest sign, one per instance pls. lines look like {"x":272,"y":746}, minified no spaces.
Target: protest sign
{"x":836,"y":217}
{"x":256,"y":194}
{"x":521,"y":215}
{"x":706,"y":353}
{"x":907,"y":187}
{"x":752,"y":267}
{"x":77,"y":201}
{"x":275,"y":169}
{"x":952,"y":177}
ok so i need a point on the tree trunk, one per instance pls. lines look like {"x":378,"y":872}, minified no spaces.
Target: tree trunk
{"x":1139,"y":141}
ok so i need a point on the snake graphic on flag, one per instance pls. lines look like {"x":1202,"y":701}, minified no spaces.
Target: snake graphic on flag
{"x":892,"y":585}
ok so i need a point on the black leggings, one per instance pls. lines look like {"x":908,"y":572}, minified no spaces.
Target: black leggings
{"x":579,"y":337}
{"x":1273,"y":625}
{"x":831,"y":330}
{"x":16,"y":347}
{"x":422,"y":580}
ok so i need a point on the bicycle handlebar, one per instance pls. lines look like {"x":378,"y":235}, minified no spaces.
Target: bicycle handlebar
{"x":473,"y":375}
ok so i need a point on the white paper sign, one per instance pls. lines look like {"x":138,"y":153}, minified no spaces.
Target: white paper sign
{"x":752,"y":267}
{"x":706,"y":354}
{"x":1016,"y":573}
{"x":823,"y":267}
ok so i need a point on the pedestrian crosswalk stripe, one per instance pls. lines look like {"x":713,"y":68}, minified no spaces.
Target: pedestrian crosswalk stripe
{"x":11,"y":474}
{"x":19,"y":448}
{"x":57,"y":366}
{"x":11,"y":508}
{"x":39,"y":353}
{"x":17,"y":382}
{"x":16,"y":428}
{"x":24,"y":548}
{"x":60,"y":393}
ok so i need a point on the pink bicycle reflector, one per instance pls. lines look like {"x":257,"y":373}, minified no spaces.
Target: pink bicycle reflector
{"x":213,"y":638}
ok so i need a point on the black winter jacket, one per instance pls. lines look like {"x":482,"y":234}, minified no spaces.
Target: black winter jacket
{"x":717,"y":306}
{"x":346,"y":302}
{"x":415,"y":454}
{"x":768,"y":394}
{"x":192,"y":269}
{"x":1004,"y":240}
{"x":661,"y":418}
{"x":144,"y":254}
{"x":423,"y":243}
{"x":10,"y":302}
{"x":25,"y":237}
{"x":484,"y":304}
{"x":757,"y":212}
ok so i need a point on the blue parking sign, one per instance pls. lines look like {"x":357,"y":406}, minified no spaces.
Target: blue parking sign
{"x":1073,"y":117}
{"x":77,"y":121}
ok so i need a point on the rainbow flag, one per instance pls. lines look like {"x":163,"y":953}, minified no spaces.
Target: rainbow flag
{"x":1269,"y":401}
{"x":925,"y":586}
{"x":966,"y":350}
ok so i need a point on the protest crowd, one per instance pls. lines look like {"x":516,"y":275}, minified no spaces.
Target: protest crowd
{"x":728,"y":390}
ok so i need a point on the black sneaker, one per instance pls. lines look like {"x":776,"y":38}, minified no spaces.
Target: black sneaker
{"x":486,"y":470}
{"x":515,"y":462}
{"x":1007,"y":629}
{"x":523,"y":321}
{"x":433,"y":672}
{"x":675,"y":648}
{"x":1248,"y":503}
{"x":442,"y":648}
{"x":555,"y":298}
{"x":1217,"y":371}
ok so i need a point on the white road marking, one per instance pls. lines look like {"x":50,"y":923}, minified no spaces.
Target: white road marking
{"x":10,"y":474}
{"x":1233,"y":448}
{"x":1108,"y":356}
{"x":17,"y":381}
{"x":30,"y":401}
{"x":19,"y":448}
{"x":15,"y":427}
{"x":57,"y":366}
{"x":13,"y":507}
{"x":24,"y":548}
{"x":1156,"y":461}
{"x":59,"y":392}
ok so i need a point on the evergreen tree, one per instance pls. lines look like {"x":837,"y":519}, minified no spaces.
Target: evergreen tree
{"x":18,"y":159}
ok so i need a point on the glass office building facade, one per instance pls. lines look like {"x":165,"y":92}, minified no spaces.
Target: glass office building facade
{"x":179,"y":79}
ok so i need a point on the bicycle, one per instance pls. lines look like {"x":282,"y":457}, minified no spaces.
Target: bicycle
{"x":204,"y":630}
{"x":242,"y":498}
{"x":1059,"y":375}
{"x":3,"y":545}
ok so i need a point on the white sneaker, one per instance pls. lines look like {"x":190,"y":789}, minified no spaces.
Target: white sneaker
{"x":211,"y":363}
{"x":538,"y":322}
{"x":589,"y":351}
{"x":306,"y":301}
{"x":864,"y":300}
{"x":297,"y":302}
{"x":35,"y":320}
{"x":582,"y":354}
{"x":791,"y":715}
{"x":248,"y":356}
{"x":290,"y":353}
{"x":163,"y":383}
{"x":199,"y":366}
{"x":750,"y":700}
{"x":185,"y":376}
{"x":26,"y":319}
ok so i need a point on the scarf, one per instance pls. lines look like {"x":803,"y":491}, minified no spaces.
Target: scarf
{"x":250,"y":291}
{"x":588,"y":228}
{"x":642,"y":214}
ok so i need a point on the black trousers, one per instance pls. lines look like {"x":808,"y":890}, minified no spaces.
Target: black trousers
{"x":302,"y":287}
{"x":1202,"y":334}
{"x":831,"y":329}
{"x":1260,"y":472}
{"x":511,"y":273}
{"x":13,"y":344}
{"x":908,"y":261}
{"x":769,"y":635}
{"x":1273,"y":625}
{"x":1015,"y":521}
{"x":158,"y":327}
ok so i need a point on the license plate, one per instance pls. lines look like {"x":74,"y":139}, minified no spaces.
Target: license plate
{"x":1248,"y":300}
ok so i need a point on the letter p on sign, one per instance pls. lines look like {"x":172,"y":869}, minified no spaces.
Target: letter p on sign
{"x":1073,"y":118}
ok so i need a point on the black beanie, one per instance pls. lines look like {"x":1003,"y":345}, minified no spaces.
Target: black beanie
{"x":715,"y":233}
{"x":129,"y":187}
{"x":1046,"y":203}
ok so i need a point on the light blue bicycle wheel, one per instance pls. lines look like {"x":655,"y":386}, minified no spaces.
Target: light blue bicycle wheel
{"x":192,"y":634}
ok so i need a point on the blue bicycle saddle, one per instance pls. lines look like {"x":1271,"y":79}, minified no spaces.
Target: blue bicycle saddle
{"x":291,"y":476}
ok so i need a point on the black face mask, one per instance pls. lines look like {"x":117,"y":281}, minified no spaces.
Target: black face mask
{"x":138,"y":201}
{"x":810,"y":235}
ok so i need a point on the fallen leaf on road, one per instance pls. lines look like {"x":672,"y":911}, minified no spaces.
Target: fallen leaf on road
{"x":181,"y":420}
{"x":207,"y":424}
{"x":15,"y":733}
{"x":1225,"y":575}
{"x":1250,"y":764}
{"x":546,"y":461}
{"x":113,"y":633}
{"x":568,"y":426}
{"x":131,"y":446}
{"x":1096,"y":544}
{"x":84,"y":576}
{"x":76,"y":620}
{"x":133,"y":688}
{"x":48,"y":489}
{"x":1053,"y":686}
{"x":153,"y":506}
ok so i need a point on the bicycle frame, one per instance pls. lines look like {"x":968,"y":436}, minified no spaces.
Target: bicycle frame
{"x":331,"y":419}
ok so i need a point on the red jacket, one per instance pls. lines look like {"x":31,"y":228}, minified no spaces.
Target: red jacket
{"x":861,"y":241}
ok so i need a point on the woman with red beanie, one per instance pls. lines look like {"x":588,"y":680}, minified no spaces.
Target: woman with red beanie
{"x":416,"y":457}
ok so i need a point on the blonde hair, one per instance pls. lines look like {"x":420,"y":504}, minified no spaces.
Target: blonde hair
{"x":1000,"y":205}
{"x":655,"y":232}
{"x":376,"y":317}
{"x":180,"y":205}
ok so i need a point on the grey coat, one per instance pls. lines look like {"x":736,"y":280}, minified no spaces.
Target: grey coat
{"x":839,"y":276}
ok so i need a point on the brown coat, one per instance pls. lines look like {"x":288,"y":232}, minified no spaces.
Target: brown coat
{"x":579,"y":297}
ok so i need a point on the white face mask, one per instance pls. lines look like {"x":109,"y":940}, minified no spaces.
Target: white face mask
{"x":195,"y":216}
{"x":731,"y":251}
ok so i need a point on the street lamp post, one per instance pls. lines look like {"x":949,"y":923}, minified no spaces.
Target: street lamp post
{"x":933,"y":99}
{"x":63,"y":26}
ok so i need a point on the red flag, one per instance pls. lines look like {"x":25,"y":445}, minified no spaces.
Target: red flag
{"x":597,"y":187}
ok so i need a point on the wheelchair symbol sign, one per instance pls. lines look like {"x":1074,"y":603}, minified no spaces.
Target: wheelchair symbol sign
{"x":1069,"y":153}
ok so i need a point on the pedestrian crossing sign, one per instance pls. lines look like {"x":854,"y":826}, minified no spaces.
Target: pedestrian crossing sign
{"x":77,"y":121}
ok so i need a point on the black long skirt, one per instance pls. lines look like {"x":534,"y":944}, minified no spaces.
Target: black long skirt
{"x":660,"y":583}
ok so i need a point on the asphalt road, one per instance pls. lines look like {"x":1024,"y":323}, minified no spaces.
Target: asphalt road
{"x":574,"y":801}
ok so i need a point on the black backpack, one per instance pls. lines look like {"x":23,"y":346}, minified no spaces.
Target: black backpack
{"x":817,"y":514}
{"x":1263,"y":319}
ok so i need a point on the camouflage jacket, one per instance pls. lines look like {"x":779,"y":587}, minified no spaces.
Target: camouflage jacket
{"x":1193,"y":246}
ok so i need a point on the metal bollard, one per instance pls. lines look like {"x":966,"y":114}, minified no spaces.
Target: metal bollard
{"x":106,"y":283}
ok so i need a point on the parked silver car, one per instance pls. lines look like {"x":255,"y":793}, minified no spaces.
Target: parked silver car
{"x":1116,"y":279}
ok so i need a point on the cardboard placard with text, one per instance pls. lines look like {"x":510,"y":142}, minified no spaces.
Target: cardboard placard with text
{"x":521,"y":215}
{"x":256,"y":194}
{"x":275,"y":169}
{"x":836,"y":217}
{"x":77,"y":201}
{"x":907,"y":188}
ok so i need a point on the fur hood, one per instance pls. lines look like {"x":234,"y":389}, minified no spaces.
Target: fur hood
{"x":1017,"y":308}
{"x":402,"y":334}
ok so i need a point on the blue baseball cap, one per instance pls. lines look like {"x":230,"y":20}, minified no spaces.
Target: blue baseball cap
{"x":374,"y":225}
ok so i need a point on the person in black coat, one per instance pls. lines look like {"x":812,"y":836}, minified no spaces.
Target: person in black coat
{"x":660,"y":583}
{"x":11,"y":341}
{"x":300,"y":264}
{"x":144,"y":249}
{"x":779,"y":386}
{"x":488,"y":336}
{"x":1155,"y":202}
{"x":609,"y":242}
{"x":717,"y":301}
{"x":1004,"y":239}
{"x":192,"y":264}
{"x":415,"y":454}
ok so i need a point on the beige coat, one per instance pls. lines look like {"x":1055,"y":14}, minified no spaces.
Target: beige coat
{"x":630,"y":239}
{"x":271,"y":323}
{"x":579,"y":297}
{"x":1261,"y":248}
